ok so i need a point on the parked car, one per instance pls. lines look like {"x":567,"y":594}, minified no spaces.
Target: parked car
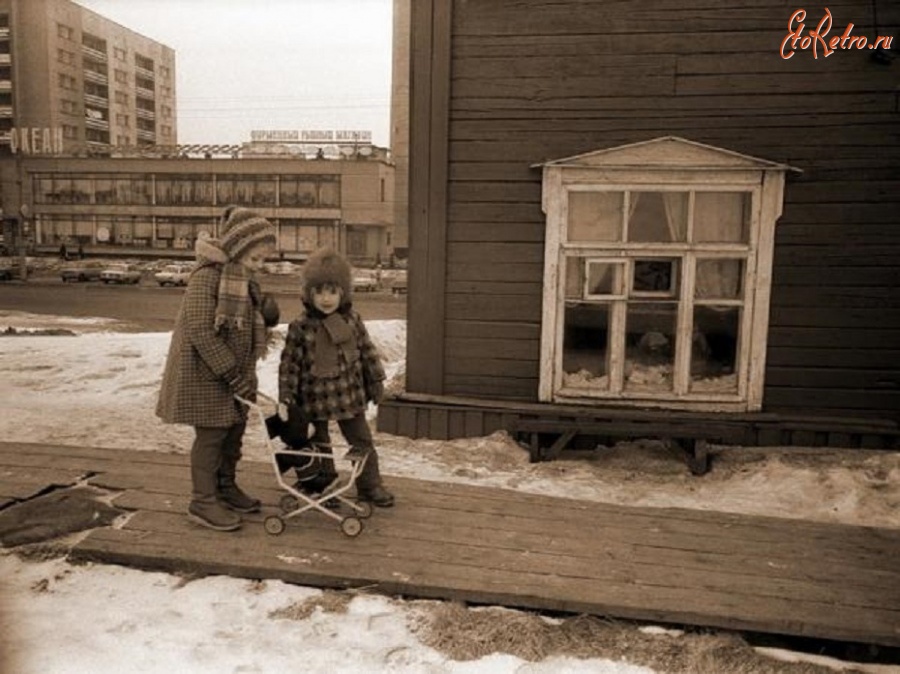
{"x":174,"y":275}
{"x":121,"y":273}
{"x":82,"y":271}
{"x":364,"y":281}
{"x":9,"y":269}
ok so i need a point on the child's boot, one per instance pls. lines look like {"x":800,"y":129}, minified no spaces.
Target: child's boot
{"x":227,"y":491}
{"x":369,"y":486}
{"x":210,"y":514}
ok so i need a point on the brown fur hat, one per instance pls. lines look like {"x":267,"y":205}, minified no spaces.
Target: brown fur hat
{"x":327,"y":266}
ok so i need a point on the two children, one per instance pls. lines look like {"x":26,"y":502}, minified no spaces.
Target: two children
{"x":330,"y":369}
{"x":220,"y":333}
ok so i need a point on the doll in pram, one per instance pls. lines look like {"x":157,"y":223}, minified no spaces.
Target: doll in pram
{"x":318,"y":485}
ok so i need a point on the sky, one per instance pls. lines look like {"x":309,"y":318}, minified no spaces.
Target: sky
{"x":97,"y":386}
{"x":243,"y":65}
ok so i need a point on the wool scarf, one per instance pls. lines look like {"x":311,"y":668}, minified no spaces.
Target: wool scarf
{"x":236,"y":288}
{"x":332,"y":333}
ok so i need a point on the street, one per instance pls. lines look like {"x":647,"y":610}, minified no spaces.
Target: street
{"x":151,"y":308}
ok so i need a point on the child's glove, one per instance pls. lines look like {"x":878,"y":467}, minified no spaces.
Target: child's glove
{"x":242,"y":386}
{"x":376,"y":391}
{"x":270,"y":311}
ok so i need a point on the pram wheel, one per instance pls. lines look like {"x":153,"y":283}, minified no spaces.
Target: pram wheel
{"x":351,"y":526}
{"x":274,"y":525}
{"x":288,"y":503}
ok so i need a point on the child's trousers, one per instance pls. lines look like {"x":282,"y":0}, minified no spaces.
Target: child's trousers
{"x":214,"y":454}
{"x":357,"y":433}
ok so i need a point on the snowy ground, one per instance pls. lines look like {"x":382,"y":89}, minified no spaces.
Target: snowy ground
{"x":98,"y":387}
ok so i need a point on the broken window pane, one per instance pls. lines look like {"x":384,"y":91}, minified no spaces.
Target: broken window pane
{"x":650,"y":346}
{"x":714,"y":348}
{"x":595,"y":216}
{"x":657,"y":217}
{"x":585,"y":346}
{"x":719,"y":279}
{"x":721,"y":217}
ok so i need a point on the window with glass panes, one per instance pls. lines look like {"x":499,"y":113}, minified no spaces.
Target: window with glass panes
{"x":657,"y":281}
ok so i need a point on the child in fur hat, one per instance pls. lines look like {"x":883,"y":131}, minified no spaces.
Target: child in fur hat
{"x":220,"y":333}
{"x":330,"y":369}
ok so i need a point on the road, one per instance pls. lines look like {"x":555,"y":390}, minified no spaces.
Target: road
{"x":151,"y":308}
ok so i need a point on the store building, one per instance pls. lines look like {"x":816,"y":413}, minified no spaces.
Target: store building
{"x":160,"y":206}
{"x":72,"y":81}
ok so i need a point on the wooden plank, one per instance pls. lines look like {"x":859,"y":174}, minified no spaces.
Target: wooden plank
{"x":869,"y":402}
{"x":786,"y":356}
{"x":428,"y":118}
{"x":515,"y":308}
{"x":502,"y":388}
{"x":469,"y":544}
{"x":493,"y":348}
{"x":506,"y":331}
{"x":886,"y":378}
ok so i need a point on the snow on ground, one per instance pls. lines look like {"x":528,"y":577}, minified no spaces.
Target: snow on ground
{"x":98,"y":387}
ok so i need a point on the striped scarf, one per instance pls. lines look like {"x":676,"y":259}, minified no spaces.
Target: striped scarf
{"x":236,"y":288}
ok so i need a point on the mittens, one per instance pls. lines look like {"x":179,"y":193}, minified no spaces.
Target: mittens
{"x":376,"y":391}
{"x":242,"y":386}
{"x":270,"y":311}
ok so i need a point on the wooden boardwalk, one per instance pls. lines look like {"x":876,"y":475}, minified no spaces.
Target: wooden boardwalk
{"x":499,"y":546}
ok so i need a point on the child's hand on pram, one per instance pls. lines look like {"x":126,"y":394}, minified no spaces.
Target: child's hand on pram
{"x":283,"y":411}
{"x":242,"y":387}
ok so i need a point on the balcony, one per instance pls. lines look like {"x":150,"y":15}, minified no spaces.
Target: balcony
{"x":4,"y":33}
{"x":146,"y":135}
{"x":94,"y":53}
{"x":145,"y":93}
{"x":145,"y":114}
{"x":6,"y":111}
{"x":143,"y":72}
{"x":5,"y":60}
{"x":96,"y":123}
{"x":98,"y":78}
{"x":5,"y":85}
{"x":99,"y":101}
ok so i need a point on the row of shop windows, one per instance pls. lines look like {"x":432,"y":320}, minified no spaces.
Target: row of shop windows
{"x":294,"y":236}
{"x":306,"y":191}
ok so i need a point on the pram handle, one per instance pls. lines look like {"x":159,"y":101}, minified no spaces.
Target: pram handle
{"x":259,"y":395}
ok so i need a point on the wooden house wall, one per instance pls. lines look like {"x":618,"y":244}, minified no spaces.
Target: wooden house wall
{"x":531,"y":81}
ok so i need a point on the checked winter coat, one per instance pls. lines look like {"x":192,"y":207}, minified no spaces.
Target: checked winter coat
{"x":194,"y":390}
{"x":359,"y":369}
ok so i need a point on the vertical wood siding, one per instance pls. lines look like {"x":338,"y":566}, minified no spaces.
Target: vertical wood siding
{"x":532,"y":81}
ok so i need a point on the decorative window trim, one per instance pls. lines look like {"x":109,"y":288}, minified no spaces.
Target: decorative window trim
{"x":662,"y":165}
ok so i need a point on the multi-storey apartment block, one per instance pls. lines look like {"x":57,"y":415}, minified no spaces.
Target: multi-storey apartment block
{"x":74,"y":82}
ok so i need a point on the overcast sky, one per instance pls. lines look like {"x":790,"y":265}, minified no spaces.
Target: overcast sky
{"x":270,"y":64}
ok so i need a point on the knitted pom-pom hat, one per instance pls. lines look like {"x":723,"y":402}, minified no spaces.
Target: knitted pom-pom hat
{"x":242,"y":230}
{"x":326,"y":266}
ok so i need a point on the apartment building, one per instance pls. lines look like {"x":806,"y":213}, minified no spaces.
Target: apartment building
{"x":73,"y":82}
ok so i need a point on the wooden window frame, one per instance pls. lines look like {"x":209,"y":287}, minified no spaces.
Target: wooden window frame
{"x":766,"y":190}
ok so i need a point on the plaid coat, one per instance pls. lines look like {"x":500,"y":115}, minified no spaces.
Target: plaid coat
{"x":194,"y":390}
{"x":341,"y":397}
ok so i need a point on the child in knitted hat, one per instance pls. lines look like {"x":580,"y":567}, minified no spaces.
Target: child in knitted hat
{"x":330,"y":369}
{"x":220,"y":333}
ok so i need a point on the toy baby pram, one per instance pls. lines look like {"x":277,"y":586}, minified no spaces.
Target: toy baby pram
{"x":306,"y":461}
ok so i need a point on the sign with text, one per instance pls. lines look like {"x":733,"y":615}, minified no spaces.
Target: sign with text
{"x":36,"y":140}
{"x":311,"y":136}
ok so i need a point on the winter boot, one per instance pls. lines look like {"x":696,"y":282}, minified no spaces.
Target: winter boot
{"x":368,"y":484}
{"x":213,"y":516}
{"x":227,"y":491}
{"x":235,"y":498}
{"x":377,"y":495}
